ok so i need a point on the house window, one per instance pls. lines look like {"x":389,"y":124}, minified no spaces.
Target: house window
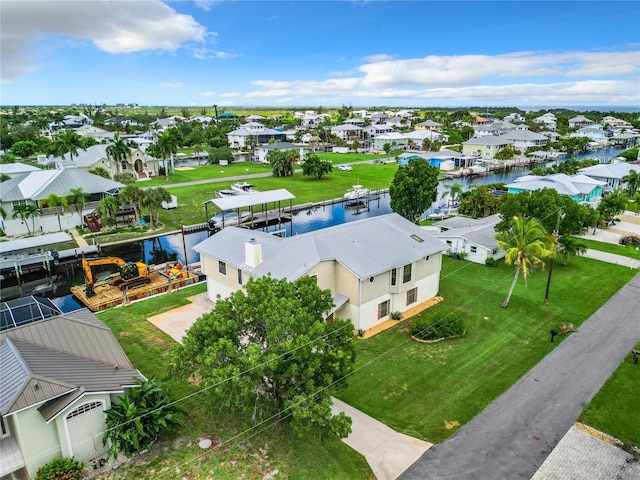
{"x":87,"y":407}
{"x":449,"y":243}
{"x":239,"y":277}
{"x":4,"y":429}
{"x":474,"y":249}
{"x":222,"y":267}
{"x":394,"y":277}
{"x":426,"y":258}
{"x":412,"y":295}
{"x":406,"y":274}
{"x":383,"y":309}
{"x":19,"y":202}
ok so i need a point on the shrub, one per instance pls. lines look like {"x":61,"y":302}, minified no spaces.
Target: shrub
{"x":61,"y":468}
{"x":630,"y":240}
{"x":396,"y":316}
{"x":490,"y":262}
{"x":437,"y":328}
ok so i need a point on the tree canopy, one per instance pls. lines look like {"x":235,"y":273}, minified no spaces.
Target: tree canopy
{"x":267,"y":353}
{"x":314,"y":166}
{"x":413,"y":189}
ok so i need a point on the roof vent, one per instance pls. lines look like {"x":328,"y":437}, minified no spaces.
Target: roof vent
{"x":417,"y":238}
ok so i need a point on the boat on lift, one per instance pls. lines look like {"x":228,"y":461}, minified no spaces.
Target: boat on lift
{"x":356,"y":193}
{"x":240,"y":188}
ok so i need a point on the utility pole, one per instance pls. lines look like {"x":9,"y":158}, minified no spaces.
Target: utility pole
{"x":556,"y":234}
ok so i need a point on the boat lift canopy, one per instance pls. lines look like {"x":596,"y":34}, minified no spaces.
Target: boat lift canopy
{"x":33,"y":242}
{"x":242,"y":201}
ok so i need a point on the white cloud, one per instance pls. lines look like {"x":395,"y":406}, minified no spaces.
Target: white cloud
{"x":206,"y":4}
{"x":380,"y":57}
{"x":578,"y":77}
{"x":113,"y":27}
{"x":207,"y":94}
{"x":171,"y":84}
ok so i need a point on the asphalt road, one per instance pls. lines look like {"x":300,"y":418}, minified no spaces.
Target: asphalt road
{"x":513,"y":436}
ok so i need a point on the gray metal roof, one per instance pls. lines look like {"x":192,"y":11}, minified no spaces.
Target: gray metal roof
{"x":460,"y":221}
{"x":259,"y":198}
{"x":488,"y":140}
{"x":366,"y":247}
{"x":39,"y":185}
{"x":34,"y":242}
{"x":44,"y":360}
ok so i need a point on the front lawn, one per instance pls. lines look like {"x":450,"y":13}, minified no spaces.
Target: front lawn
{"x":616,"y":407}
{"x":253,"y":455}
{"x":626,"y":251}
{"x":430,"y":390}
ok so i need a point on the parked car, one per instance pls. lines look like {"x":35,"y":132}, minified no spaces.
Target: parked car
{"x":345,"y":168}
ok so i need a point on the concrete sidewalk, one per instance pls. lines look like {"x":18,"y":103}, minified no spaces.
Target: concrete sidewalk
{"x":388,"y":452}
{"x":612,"y":258}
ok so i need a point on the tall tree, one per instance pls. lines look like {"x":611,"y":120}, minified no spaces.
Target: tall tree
{"x":314,"y":166}
{"x":78,"y":197}
{"x":68,"y":142}
{"x":526,"y":244}
{"x":612,"y":205}
{"x":108,"y":209}
{"x":291,"y":359}
{"x":633,"y":181}
{"x":118,"y":151}
{"x":569,"y":248}
{"x":454,"y":191}
{"x":133,"y":195}
{"x":167,"y":147}
{"x":153,"y":198}
{"x":20,"y":211}
{"x":57,"y":203}
{"x":282,"y":162}
{"x":479,"y":202}
{"x":33,"y":211}
{"x":413,"y":189}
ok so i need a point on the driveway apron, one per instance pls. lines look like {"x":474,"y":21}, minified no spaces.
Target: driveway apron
{"x":513,"y":436}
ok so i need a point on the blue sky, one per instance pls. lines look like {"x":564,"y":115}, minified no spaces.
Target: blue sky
{"x":327,"y":53}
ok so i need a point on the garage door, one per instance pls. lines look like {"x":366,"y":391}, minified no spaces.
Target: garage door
{"x":86,"y":427}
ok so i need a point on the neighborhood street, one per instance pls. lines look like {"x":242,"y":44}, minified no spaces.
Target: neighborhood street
{"x":513,"y":436}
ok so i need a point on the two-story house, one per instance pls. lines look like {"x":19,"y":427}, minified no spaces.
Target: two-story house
{"x":373,"y":267}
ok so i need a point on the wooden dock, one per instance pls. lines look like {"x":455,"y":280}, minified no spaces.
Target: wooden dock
{"x":108,"y":296}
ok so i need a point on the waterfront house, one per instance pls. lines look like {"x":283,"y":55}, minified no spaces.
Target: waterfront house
{"x":580,"y":188}
{"x":611,"y":174}
{"x":524,"y":139}
{"x":395,"y":139}
{"x":59,"y":376}
{"x":474,"y":238}
{"x":485,"y":147}
{"x":373,"y":266}
{"x":263,"y":150}
{"x":580,"y":121}
{"x":256,"y":132}
{"x":348,"y":132}
{"x":595,"y":133}
{"x":549,"y":120}
{"x":35,"y":187}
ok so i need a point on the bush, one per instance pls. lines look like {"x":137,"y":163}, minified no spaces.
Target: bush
{"x":490,"y":262}
{"x":396,"y":316}
{"x":630,"y":240}
{"x":61,"y":468}
{"x":437,"y":328}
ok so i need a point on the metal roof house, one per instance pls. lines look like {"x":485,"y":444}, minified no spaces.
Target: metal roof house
{"x":580,"y":188}
{"x":373,"y":266}
{"x":58,"y":377}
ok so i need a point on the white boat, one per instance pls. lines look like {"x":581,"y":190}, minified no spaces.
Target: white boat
{"x":240,"y":188}
{"x":230,"y":217}
{"x":356,"y":193}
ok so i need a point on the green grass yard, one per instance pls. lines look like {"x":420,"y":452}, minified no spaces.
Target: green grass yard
{"x":626,"y":251}
{"x":430,"y":390}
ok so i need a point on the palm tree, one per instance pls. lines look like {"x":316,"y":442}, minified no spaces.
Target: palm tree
{"x":68,"y":142}
{"x":33,"y":211}
{"x":78,"y":198}
{"x":153,"y":199}
{"x":569,"y":248}
{"x":108,"y":208}
{"x":167,"y":146}
{"x":526,"y":244}
{"x":118,"y":150}
{"x":20,"y":210}
{"x":633,"y":182}
{"x":612,"y":205}
{"x":133,"y":195}
{"x":54,"y":201}
{"x":454,"y":191}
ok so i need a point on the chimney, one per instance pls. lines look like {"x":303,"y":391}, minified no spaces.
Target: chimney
{"x":253,"y":253}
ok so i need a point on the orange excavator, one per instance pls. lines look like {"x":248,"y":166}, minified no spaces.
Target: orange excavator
{"x":132,"y":274}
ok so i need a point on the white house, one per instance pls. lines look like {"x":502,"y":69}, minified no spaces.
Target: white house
{"x":260,"y":134}
{"x":395,"y":139}
{"x":485,"y":147}
{"x":60,"y":373}
{"x":263,"y":151}
{"x":612,"y":174}
{"x":474,"y":237}
{"x":580,"y":121}
{"x":347,"y":132}
{"x":595,"y":133}
{"x":373,"y":267}
{"x":525,"y":139}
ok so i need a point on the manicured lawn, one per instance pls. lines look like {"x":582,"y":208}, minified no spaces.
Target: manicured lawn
{"x":430,"y":390}
{"x":250,"y":456}
{"x":626,"y":251}
{"x":615,"y":408}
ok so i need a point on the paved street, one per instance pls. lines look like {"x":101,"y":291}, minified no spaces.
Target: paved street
{"x":514,"y":435}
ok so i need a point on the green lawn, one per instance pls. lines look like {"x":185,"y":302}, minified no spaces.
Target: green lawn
{"x":626,"y":251}
{"x":430,"y":390}
{"x":615,"y":408}
{"x":249,"y":456}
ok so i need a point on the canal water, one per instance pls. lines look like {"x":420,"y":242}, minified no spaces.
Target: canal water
{"x":174,"y":247}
